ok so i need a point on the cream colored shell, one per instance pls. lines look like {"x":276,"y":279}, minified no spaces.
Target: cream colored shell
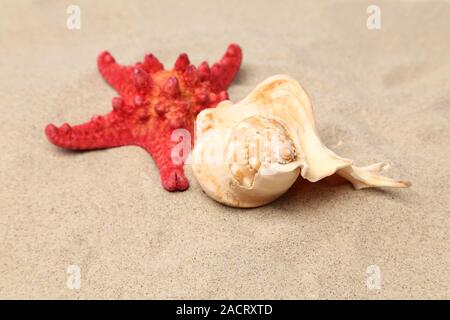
{"x":249,"y":153}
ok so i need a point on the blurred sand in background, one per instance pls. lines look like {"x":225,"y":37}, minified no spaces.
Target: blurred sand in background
{"x":378,"y":95}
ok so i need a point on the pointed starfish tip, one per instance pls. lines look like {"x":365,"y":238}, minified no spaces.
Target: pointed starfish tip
{"x":175,"y":180}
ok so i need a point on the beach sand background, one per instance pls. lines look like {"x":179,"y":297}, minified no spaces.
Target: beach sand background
{"x":379,"y":95}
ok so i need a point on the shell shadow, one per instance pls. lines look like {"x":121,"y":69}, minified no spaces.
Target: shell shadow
{"x":302,"y":194}
{"x":308,"y":195}
{"x":305,"y":198}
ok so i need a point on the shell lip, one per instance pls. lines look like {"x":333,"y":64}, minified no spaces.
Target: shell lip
{"x":304,"y":168}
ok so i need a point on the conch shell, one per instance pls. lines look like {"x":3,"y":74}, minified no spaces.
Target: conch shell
{"x":249,"y":153}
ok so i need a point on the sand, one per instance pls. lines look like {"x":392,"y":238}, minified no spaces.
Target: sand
{"x":379,"y":95}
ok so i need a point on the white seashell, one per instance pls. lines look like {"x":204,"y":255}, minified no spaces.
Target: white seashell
{"x":249,"y":153}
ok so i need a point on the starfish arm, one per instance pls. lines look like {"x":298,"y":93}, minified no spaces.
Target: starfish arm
{"x":170,"y":170}
{"x":224,"y":71}
{"x":118,"y":76}
{"x":98,"y":133}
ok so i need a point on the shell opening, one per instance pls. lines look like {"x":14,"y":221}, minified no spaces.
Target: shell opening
{"x":258,"y":145}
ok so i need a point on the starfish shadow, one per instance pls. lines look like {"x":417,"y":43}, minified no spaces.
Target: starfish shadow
{"x":241,"y":77}
{"x":72,"y":152}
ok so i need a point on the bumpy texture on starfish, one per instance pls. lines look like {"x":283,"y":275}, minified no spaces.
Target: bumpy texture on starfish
{"x":153,"y":103}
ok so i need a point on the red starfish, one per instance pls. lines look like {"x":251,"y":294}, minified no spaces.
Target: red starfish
{"x":153,"y":103}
